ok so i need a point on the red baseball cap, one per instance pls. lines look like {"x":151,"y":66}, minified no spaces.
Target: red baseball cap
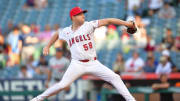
{"x":76,"y":10}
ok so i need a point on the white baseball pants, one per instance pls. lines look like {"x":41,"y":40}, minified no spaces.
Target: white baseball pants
{"x":77,"y":69}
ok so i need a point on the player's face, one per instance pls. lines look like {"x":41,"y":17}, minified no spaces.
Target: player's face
{"x":164,"y":78}
{"x":59,"y":54}
{"x":135,"y":55}
{"x":26,"y":29}
{"x":80,"y":18}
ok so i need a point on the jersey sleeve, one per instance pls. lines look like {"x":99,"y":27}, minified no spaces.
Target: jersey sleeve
{"x":61,"y":34}
{"x":158,"y":69}
{"x":94,"y":23}
{"x":20,"y":37}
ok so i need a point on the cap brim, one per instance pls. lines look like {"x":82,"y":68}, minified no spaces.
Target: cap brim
{"x":84,"y":11}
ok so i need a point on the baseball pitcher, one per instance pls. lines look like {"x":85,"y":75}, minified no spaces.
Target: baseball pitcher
{"x":80,"y":39}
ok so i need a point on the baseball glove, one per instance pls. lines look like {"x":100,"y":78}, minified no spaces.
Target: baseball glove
{"x":133,"y":29}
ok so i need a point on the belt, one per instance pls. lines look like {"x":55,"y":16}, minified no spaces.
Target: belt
{"x":86,"y":60}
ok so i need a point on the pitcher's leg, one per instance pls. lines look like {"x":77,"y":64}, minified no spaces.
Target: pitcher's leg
{"x":108,"y":75}
{"x":72,"y":73}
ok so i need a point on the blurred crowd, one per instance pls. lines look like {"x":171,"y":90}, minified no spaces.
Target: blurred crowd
{"x":38,"y":4}
{"x":21,"y":45}
{"x":21,"y":52}
{"x":149,"y":53}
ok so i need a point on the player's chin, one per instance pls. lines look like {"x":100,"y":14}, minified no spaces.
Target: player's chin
{"x":82,"y":21}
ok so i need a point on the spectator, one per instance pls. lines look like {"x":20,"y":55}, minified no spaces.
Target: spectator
{"x":164,"y":66}
{"x":112,"y":36}
{"x":176,"y":46}
{"x":3,"y":58}
{"x":176,"y":3}
{"x":163,"y":85}
{"x":29,"y":4}
{"x":13,"y":40}
{"x":58,"y":66}
{"x":167,"y":12}
{"x":133,"y":6}
{"x":4,"y":50}
{"x":150,"y":65}
{"x":125,"y":40}
{"x":24,"y":73}
{"x":134,"y":64}
{"x":125,"y":37}
{"x":45,"y":35}
{"x":2,"y":43}
{"x":13,"y":59}
{"x":42,"y":61}
{"x":148,"y":16}
{"x":11,"y":48}
{"x":31,"y":65}
{"x":169,"y":1}
{"x":155,"y":5}
{"x":166,"y":53}
{"x":168,"y":40}
{"x":150,"y":46}
{"x":35,"y":28}
{"x":41,"y":68}
{"x":40,"y":3}
{"x":27,"y":40}
{"x":118,"y":66}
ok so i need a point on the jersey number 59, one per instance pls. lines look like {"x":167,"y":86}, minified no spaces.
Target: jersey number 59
{"x":87,"y":46}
